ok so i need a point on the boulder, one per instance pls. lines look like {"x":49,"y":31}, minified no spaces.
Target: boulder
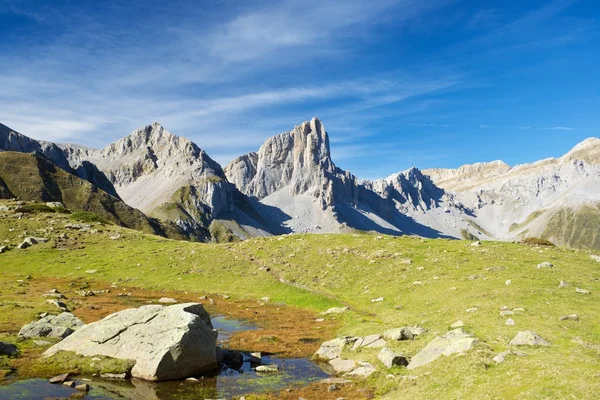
{"x":340,"y":365}
{"x":528,"y":338}
{"x":267,"y":368}
{"x":333,"y":348}
{"x":371,"y":342}
{"x":59,"y":379}
{"x":391,"y":359}
{"x":8,"y":349}
{"x":54,"y":326}
{"x":363,"y":371}
{"x":456,"y":341}
{"x":166,"y":343}
{"x":404,"y":333}
{"x":30,"y":241}
{"x":3,"y":249}
{"x":55,"y":204}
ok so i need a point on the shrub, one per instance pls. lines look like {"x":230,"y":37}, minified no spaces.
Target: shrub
{"x":86,"y":216}
{"x":533,"y":241}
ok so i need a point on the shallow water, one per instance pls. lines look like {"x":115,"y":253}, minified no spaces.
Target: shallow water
{"x":221,"y":384}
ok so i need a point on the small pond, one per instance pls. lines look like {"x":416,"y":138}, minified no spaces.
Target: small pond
{"x":224,"y":383}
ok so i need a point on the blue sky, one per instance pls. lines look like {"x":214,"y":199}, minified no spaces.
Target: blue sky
{"x":397,"y":83}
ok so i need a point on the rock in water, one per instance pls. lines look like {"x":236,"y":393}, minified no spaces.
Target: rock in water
{"x":166,"y":343}
{"x":456,"y":341}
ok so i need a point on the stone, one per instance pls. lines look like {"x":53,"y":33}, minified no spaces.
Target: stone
{"x":55,"y":204}
{"x":545,"y":264}
{"x":499,"y":358}
{"x":59,"y":379}
{"x":528,"y":338}
{"x":563,"y":284}
{"x":582,"y":291}
{"x":371,"y":341}
{"x":457,"y":324}
{"x":336,"y":310}
{"x":8,"y":349}
{"x":391,"y":359}
{"x":84,"y":387}
{"x":53,"y":326}
{"x":403,"y":333}
{"x":333,"y":348}
{"x":166,"y":343}
{"x":453,"y":342}
{"x":167,"y":300}
{"x":509,"y":322}
{"x":59,"y":304}
{"x":471,"y":310}
{"x":595,"y":257}
{"x":69,"y":384}
{"x":255,"y":358}
{"x":341,"y":366}
{"x":504,"y":313}
{"x":267,"y":368}
{"x":476,"y":244}
{"x":507,"y":282}
{"x":91,"y":271}
{"x":3,"y":249}
{"x":571,"y":317}
{"x":113,"y":376}
{"x":377,"y":300}
{"x":363,"y":371}
{"x":42,"y":343}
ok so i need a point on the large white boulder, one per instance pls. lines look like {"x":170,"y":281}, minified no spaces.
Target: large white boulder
{"x":166,"y":343}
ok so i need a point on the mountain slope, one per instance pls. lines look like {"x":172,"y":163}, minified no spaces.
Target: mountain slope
{"x":11,"y":140}
{"x":34,"y":178}
{"x":555,"y":198}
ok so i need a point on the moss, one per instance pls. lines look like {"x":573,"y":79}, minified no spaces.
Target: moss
{"x":66,"y":361}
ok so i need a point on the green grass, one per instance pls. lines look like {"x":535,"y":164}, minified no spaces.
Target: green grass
{"x":86,"y":216}
{"x":575,"y":227}
{"x":321,"y":271}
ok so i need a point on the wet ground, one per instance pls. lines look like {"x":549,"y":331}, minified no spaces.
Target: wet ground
{"x":225,"y":383}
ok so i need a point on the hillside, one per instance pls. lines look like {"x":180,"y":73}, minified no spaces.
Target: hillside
{"x":33,"y":178}
{"x":430,"y":283}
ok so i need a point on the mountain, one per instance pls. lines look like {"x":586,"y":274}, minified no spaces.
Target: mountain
{"x":293,"y":173}
{"x":11,"y":140}
{"x":31,"y":177}
{"x":556,"y":198}
{"x":291,"y":184}
{"x":163,"y":175}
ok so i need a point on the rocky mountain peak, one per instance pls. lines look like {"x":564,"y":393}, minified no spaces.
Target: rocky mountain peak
{"x":588,"y":151}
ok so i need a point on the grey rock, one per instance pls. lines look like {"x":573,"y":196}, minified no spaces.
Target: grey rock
{"x":30,"y":241}
{"x":166,"y":343}
{"x":267,"y":368}
{"x":453,"y":342}
{"x":55,"y":204}
{"x":528,"y":338}
{"x":53,"y":326}
{"x":457,"y":324}
{"x":545,"y":264}
{"x":403,"y":333}
{"x":59,"y":379}
{"x":59,"y":304}
{"x":391,"y":359}
{"x":114,"y":376}
{"x":509,"y":322}
{"x":364,"y":370}
{"x":167,"y":300}
{"x":499,"y":358}
{"x":371,"y":341}
{"x":8,"y":349}
{"x":333,"y":348}
{"x":582,"y":291}
{"x":342,"y":366}
{"x":563,"y":284}
{"x":571,"y":317}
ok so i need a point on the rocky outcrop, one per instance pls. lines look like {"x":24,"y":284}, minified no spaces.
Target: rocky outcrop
{"x":53,"y":326}
{"x":166,"y":343}
{"x":453,"y":342}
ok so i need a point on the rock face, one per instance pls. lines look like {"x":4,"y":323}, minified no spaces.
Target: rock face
{"x":163,"y":175}
{"x":456,"y":341}
{"x":167,"y":343}
{"x":54,"y":326}
{"x":555,"y":198}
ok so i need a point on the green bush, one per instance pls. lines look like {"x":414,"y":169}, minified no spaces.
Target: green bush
{"x":35,"y":208}
{"x":86,"y":216}
{"x":533,"y":241}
